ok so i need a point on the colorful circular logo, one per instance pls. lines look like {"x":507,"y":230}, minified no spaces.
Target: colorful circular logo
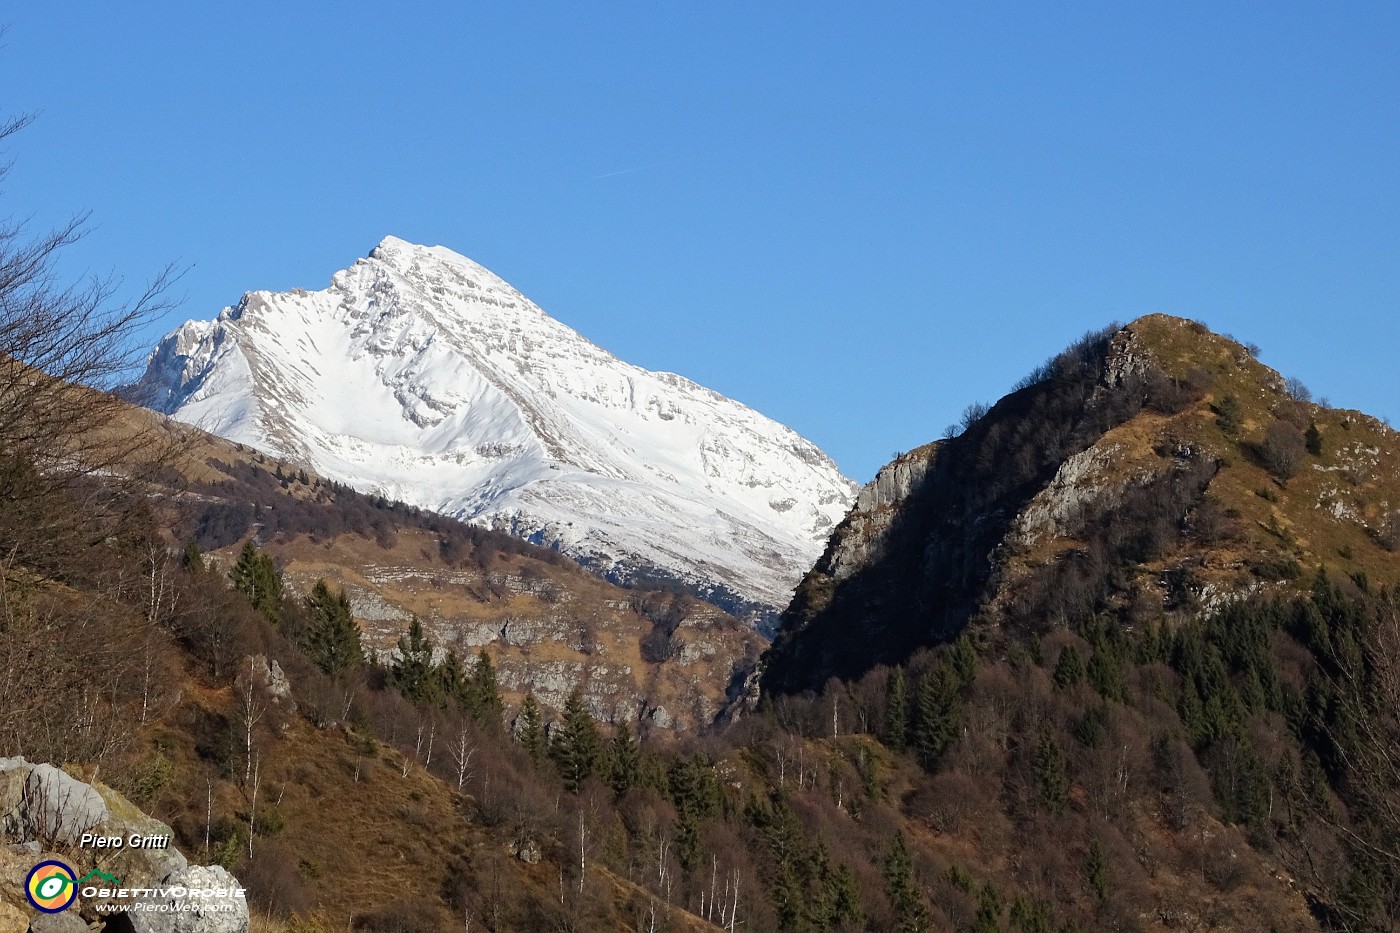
{"x":51,"y":887}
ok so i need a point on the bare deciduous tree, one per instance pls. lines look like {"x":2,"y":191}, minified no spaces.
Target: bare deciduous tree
{"x":63,"y":352}
{"x":462,"y":754}
{"x":251,"y":709}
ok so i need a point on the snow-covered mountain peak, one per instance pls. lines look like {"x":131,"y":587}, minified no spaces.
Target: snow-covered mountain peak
{"x":421,"y":375}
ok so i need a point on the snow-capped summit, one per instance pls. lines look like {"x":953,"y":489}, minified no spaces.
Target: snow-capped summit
{"x":420,"y":375}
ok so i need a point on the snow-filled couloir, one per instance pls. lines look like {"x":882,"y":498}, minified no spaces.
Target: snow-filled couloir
{"x":422,"y":376}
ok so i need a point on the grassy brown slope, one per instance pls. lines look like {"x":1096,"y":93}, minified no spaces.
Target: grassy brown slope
{"x":347,"y":830}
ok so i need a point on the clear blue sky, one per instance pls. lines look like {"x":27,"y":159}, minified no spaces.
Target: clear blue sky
{"x":855,"y":219}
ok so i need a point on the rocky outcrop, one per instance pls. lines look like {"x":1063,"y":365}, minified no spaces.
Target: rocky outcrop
{"x":52,"y":815}
{"x":271,"y":678}
{"x":166,"y":912}
{"x":875,"y":509}
{"x":1060,"y":507}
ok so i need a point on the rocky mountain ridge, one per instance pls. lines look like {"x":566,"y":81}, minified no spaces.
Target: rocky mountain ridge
{"x":1150,"y":468}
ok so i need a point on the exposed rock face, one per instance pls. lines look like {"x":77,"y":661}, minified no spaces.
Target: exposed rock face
{"x":875,"y":508}
{"x":547,"y":629}
{"x":12,"y":920}
{"x":51,"y":809}
{"x":1061,"y":506}
{"x":528,"y":851}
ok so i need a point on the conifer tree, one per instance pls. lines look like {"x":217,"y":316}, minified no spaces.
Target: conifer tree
{"x":412,"y":670}
{"x":1029,"y":917}
{"x":1106,"y":675}
{"x":1229,"y":415}
{"x":531,"y":729}
{"x":1096,"y":873}
{"x":896,"y":731}
{"x":695,"y":795}
{"x":1049,"y":766}
{"x":938,"y":716}
{"x":484,"y":693}
{"x":193,"y":558}
{"x":909,"y":910}
{"x":1312,"y":439}
{"x":965,"y":661}
{"x":450,"y":683}
{"x":256,"y":577}
{"x":843,"y":894}
{"x":989,"y":908}
{"x":1151,"y":645}
{"x":624,"y":761}
{"x":1069,"y":669}
{"x":332,"y":639}
{"x":575,"y":746}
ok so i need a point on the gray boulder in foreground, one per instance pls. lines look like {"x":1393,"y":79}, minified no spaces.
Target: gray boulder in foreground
{"x":55,"y":808}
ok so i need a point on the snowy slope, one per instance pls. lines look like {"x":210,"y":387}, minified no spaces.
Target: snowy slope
{"x":420,"y":375}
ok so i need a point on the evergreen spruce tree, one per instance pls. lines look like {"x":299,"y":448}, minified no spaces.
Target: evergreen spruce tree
{"x":909,"y":910}
{"x":843,"y":894}
{"x":989,"y":908}
{"x":332,"y":639}
{"x":896,"y":732}
{"x":1029,"y":917}
{"x":449,"y":682}
{"x":1069,"y":669}
{"x":1106,"y":675}
{"x":531,"y":729}
{"x":575,"y":746}
{"x":624,"y":761}
{"x":1096,"y":873}
{"x":1312,"y":439}
{"x":964,"y":658}
{"x":256,"y":577}
{"x":1049,"y":767}
{"x":484,"y":693}
{"x":938,"y":714}
{"x":1150,"y":646}
{"x":817,"y":875}
{"x":695,"y":794}
{"x":193,"y":558}
{"x":412,"y":670}
{"x":1229,"y":415}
